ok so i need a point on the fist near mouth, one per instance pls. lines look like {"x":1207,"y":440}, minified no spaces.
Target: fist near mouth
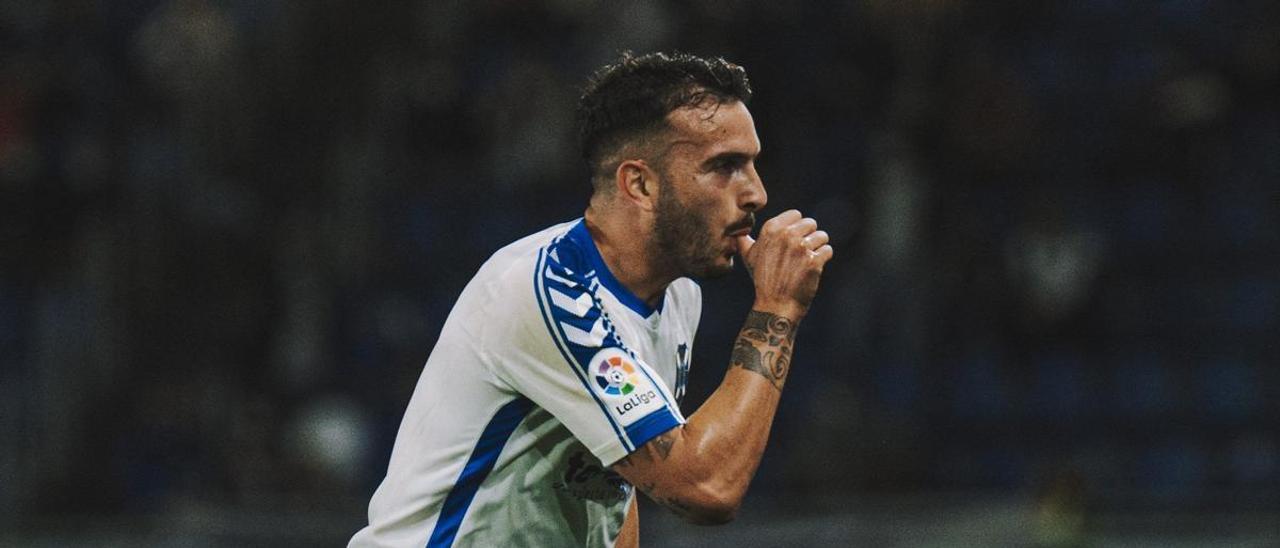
{"x":786,"y":262}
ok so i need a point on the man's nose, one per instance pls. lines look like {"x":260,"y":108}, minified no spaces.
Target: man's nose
{"x":753,"y":197}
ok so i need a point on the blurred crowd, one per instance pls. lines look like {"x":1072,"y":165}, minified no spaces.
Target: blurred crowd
{"x":231,"y":230}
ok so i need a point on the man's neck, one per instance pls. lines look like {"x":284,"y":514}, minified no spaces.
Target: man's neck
{"x":623,"y":248}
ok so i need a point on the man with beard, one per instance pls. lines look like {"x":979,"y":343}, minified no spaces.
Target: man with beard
{"x":555,"y":383}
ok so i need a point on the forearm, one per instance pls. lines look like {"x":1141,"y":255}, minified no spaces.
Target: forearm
{"x":728,"y":434}
{"x":714,"y":456}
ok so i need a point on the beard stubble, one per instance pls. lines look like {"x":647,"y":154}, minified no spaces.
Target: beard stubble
{"x":683,"y":241}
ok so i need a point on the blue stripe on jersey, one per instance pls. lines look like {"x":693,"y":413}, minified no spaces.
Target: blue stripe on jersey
{"x":582,"y":239}
{"x":539,"y":286}
{"x":482,"y":460}
{"x":657,"y":422}
{"x":593,"y":326}
{"x":586,"y":252}
{"x":588,"y":317}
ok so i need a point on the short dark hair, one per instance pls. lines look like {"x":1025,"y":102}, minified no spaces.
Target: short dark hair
{"x":630,"y":99}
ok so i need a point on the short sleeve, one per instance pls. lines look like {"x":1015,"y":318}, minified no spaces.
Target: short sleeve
{"x":570,"y":361}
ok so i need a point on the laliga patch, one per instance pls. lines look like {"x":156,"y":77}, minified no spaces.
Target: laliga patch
{"x":624,"y":388}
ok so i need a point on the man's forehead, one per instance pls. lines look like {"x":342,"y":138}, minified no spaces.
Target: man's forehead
{"x":701,"y":118}
{"x":712,"y":122}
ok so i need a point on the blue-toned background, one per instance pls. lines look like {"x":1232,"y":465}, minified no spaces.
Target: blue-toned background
{"x":230,"y":232}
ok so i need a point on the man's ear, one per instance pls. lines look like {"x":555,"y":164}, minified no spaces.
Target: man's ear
{"x":637,"y":183}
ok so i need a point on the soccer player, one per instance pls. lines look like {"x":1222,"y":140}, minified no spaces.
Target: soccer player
{"x":554,"y":386}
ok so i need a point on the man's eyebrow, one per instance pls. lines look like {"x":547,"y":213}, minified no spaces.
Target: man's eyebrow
{"x":730,"y":156}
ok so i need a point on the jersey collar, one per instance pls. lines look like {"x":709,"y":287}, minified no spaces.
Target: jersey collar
{"x":582,"y":237}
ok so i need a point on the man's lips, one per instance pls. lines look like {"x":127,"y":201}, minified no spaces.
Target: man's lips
{"x":742,"y":228}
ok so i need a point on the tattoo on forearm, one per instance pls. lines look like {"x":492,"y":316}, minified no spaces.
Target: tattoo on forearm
{"x":764,"y":346}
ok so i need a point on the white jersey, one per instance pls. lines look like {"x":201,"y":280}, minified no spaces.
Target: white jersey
{"x":547,"y":371}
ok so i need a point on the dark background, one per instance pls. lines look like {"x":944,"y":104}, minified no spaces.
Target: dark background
{"x":231,"y":230}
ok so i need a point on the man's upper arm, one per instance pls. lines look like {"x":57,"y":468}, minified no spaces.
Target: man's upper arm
{"x":570,"y":361}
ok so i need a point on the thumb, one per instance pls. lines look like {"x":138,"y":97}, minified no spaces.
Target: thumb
{"x":745,"y":242}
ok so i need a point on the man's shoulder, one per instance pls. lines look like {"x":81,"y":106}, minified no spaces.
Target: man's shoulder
{"x":510,"y":308}
{"x":519,"y":258}
{"x":526,"y":248}
{"x":502,"y":292}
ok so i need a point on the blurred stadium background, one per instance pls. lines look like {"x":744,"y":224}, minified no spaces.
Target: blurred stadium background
{"x":231,"y":230}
